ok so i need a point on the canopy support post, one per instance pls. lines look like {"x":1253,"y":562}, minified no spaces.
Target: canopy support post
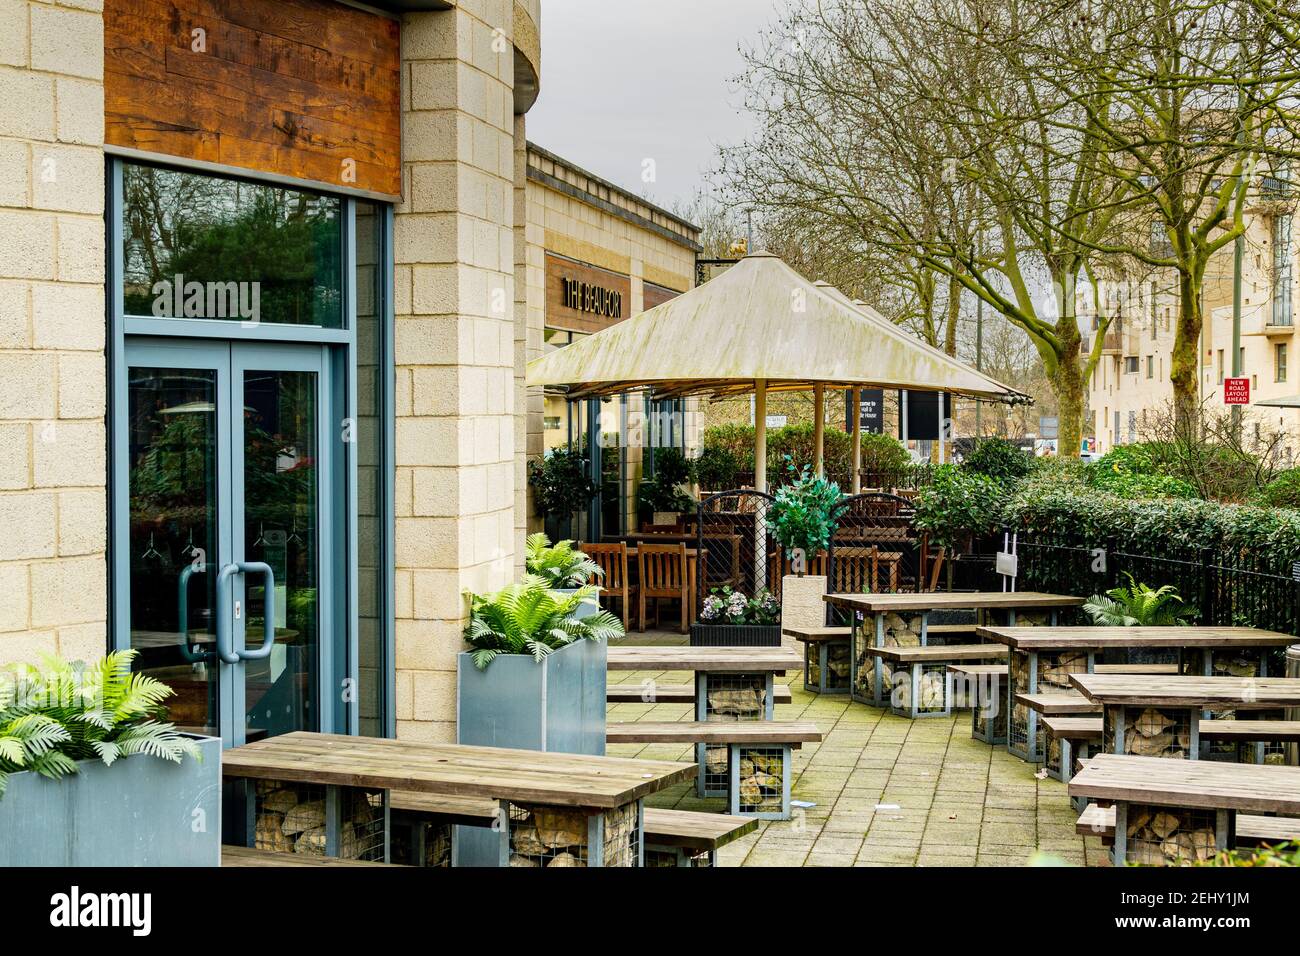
{"x":855,"y":457}
{"x":819,"y":429}
{"x":760,"y":482}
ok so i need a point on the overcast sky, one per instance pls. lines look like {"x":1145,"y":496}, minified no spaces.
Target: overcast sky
{"x":624,"y":81}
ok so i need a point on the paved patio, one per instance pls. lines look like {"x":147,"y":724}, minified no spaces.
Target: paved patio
{"x":888,"y":791}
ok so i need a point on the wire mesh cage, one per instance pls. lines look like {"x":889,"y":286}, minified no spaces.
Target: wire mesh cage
{"x":1052,"y":753}
{"x":812,"y":666}
{"x":1018,"y":677}
{"x":1150,"y":731}
{"x":920,"y":690}
{"x":761,"y":784}
{"x":986,"y":695}
{"x":837,"y":665}
{"x":420,"y":842}
{"x":1169,"y":836}
{"x":544,"y":836}
{"x":1031,"y":618}
{"x":903,"y":630}
{"x":729,"y":697}
{"x":864,"y":686}
{"x":293,"y":818}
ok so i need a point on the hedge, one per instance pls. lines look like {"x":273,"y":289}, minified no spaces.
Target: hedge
{"x":879,"y":452}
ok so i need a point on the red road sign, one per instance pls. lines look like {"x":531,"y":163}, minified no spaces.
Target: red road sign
{"x":1236,"y":391}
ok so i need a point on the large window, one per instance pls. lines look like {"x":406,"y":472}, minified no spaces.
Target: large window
{"x":206,"y":247}
{"x":1282,"y":271}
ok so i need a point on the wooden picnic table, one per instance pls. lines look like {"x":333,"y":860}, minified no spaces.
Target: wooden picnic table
{"x":608,"y":789}
{"x":1043,"y":659}
{"x":1161,"y":715}
{"x":731,"y":683}
{"x":1167,"y":811}
{"x":903,"y":620}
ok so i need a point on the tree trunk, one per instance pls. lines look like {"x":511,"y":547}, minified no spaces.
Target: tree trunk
{"x":1185,"y":361}
{"x":954,"y":312}
{"x":1067,"y":383}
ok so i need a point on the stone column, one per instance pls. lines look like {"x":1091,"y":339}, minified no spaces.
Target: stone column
{"x":53,"y":589}
{"x":455,"y":346}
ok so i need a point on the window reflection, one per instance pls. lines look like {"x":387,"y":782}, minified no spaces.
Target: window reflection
{"x":205,"y":247}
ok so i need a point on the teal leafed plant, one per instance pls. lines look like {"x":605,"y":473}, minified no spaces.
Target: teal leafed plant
{"x":561,"y":565}
{"x":1138,"y":606}
{"x":806,"y":511}
{"x":530,"y":618}
{"x":66,"y":711}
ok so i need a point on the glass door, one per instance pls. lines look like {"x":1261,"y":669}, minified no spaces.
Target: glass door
{"x":230,"y":542}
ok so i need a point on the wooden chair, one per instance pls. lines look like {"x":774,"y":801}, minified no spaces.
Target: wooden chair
{"x":649,"y":527}
{"x":612,"y":559}
{"x":662,"y":573}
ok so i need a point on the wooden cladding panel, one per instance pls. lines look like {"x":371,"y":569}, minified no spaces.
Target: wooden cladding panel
{"x":652,"y":295}
{"x":308,"y":89}
{"x":559,"y":315}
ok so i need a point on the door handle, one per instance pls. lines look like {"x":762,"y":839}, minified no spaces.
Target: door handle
{"x":183,"y":609}
{"x":225,"y":644}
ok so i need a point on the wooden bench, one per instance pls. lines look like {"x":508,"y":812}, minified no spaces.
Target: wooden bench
{"x":655,"y":693}
{"x":826,"y":655}
{"x":1171,"y":668}
{"x":927,"y":689}
{"x":987,"y":703}
{"x":672,"y":837}
{"x":749,"y":761}
{"x":1175,"y":811}
{"x":1252,"y":831}
{"x":247,"y":856}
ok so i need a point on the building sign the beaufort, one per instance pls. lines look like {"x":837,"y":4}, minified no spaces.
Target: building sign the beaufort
{"x":586,"y":297}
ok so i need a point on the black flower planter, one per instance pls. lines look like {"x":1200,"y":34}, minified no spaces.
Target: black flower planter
{"x":735,"y":635}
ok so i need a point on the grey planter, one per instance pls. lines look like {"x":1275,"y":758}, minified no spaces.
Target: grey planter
{"x":141,"y":811}
{"x":557,"y":705}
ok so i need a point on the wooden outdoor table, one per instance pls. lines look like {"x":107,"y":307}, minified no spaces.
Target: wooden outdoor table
{"x":599,"y":796}
{"x":1160,"y":716}
{"x":693,"y":556}
{"x":731,"y":683}
{"x":1043,"y":659}
{"x":903,"y":620}
{"x":1171,"y":810}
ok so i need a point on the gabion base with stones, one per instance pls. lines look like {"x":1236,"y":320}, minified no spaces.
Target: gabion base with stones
{"x":292,"y":818}
{"x":545,"y":836}
{"x":1168,"y":836}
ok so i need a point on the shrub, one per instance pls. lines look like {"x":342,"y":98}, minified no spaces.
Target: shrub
{"x":998,"y":458}
{"x":561,"y":565}
{"x":530,"y":618}
{"x":958,"y":505}
{"x":716,"y":468}
{"x":1138,"y":606}
{"x":880,"y":453}
{"x":1283,"y":491}
{"x":1136,"y":485}
{"x":560,"y":483}
{"x":52,"y":717}
{"x":665,"y":492}
{"x":805,"y":512}
{"x":1282,"y":854}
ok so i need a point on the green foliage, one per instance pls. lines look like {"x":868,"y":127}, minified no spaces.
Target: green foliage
{"x":1138,"y":606}
{"x":67,"y":711}
{"x":880,"y":453}
{"x":806,"y":511}
{"x":716,"y":468}
{"x":560,"y":483}
{"x":1135,"y":485}
{"x":1157,"y":526}
{"x":1283,"y":491}
{"x":561,"y":565}
{"x":1281,"y":854}
{"x":998,"y":458}
{"x":529,"y":618}
{"x":666,"y":490}
{"x":959,"y":504}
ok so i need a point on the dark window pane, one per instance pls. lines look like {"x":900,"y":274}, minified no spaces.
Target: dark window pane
{"x":372,"y":612}
{"x":206,"y":247}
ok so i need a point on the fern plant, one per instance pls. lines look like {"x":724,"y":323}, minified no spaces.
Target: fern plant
{"x":53,"y":716}
{"x":530,"y":618}
{"x":561,"y":565}
{"x":1138,"y":606}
